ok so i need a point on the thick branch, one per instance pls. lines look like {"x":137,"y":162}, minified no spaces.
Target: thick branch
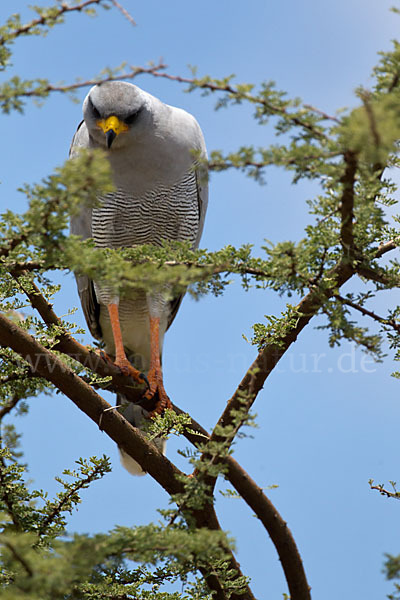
{"x":378,"y":276}
{"x":18,"y":239}
{"x":251,"y":493}
{"x":269,"y":516}
{"x":68,"y":345}
{"x":268,"y":357}
{"x":347,"y":205}
{"x":365,"y":97}
{"x":387,"y":247}
{"x":4,"y":410}
{"x":115,"y":425}
{"x":47,"y":365}
{"x":18,"y":557}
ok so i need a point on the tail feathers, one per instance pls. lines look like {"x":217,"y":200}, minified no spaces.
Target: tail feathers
{"x":136,"y":415}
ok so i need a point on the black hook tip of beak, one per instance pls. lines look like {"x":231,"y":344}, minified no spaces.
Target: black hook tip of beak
{"x":110,"y":137}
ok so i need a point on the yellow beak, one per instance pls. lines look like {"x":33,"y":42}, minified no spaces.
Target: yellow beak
{"x":112,"y":127}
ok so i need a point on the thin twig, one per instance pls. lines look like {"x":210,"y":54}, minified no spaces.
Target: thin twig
{"x":31,"y":265}
{"x":5,"y":494}
{"x":64,"y":8}
{"x":368,"y":313}
{"x":124,"y":12}
{"x":213,"y":87}
{"x":320,"y":112}
{"x":58,"y":508}
{"x":157,"y":71}
{"x":43,"y":90}
{"x":259,"y":165}
{"x":385,"y":492}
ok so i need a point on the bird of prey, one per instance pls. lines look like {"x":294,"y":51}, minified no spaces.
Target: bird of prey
{"x":156,"y":153}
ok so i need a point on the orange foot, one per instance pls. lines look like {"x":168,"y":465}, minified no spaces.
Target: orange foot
{"x":156,"y":385}
{"x":126,"y":368}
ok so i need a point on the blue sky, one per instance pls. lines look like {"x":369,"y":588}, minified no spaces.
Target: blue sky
{"x":328,"y":419}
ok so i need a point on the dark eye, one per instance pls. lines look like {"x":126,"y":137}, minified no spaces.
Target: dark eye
{"x":132,"y":117}
{"x":95,"y":112}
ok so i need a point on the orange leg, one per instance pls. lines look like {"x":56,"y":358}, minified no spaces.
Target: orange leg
{"x":154,"y":375}
{"x":120,"y":357}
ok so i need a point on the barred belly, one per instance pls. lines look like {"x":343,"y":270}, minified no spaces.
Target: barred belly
{"x":126,"y":220}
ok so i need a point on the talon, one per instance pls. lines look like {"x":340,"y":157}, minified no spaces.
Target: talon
{"x":103,"y":355}
{"x":127,"y":369}
{"x":145,"y":380}
{"x":163,"y":401}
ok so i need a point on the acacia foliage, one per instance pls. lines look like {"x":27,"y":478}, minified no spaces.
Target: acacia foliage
{"x":349,"y":236}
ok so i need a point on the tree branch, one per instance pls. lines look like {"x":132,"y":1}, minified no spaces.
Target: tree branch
{"x":228,"y":424}
{"x":387,"y":247}
{"x":379,"y":276}
{"x":157,"y":71}
{"x":6,"y":250}
{"x":347,"y":205}
{"x":384,"y":492}
{"x":252,"y":494}
{"x":323,"y":114}
{"x":214,"y":87}
{"x":44,"y":20}
{"x":68,"y":345}
{"x":368,"y":313}
{"x":123,"y":10}
{"x":18,"y":557}
{"x":269,"y":516}
{"x":4,"y":410}
{"x":58,"y":507}
{"x":42,"y":90}
{"x":4,"y":491}
{"x":269,"y":356}
{"x":117,"y":428}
